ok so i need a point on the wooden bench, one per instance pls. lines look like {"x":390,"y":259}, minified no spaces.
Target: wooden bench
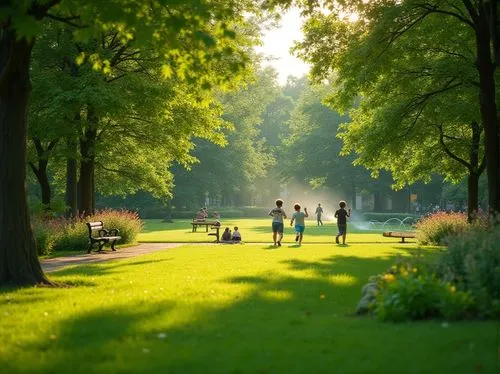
{"x":103,"y":236}
{"x":196,"y":223}
{"x":216,"y":233}
{"x":399,"y":234}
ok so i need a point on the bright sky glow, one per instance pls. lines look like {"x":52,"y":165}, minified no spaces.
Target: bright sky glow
{"x":277,"y":44}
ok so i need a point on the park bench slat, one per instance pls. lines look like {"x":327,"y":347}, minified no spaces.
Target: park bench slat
{"x":399,"y":234}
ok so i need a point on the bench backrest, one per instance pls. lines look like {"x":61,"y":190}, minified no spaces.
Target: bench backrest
{"x":95,"y":226}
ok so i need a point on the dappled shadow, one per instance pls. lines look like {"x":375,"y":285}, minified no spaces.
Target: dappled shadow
{"x":291,"y":319}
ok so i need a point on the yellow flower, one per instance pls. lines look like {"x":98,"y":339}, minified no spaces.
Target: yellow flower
{"x":414,"y":270}
{"x":389,"y":277}
{"x":453,"y":289}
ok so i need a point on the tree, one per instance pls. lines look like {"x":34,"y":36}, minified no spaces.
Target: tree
{"x":189,"y":37}
{"x":412,"y":39}
{"x":229,"y":174}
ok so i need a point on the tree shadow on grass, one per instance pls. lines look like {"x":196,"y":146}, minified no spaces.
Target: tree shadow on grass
{"x":292,"y":320}
{"x":103,"y":269}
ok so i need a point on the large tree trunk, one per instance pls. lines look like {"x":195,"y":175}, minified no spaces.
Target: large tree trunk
{"x":19,"y":262}
{"x":488,"y":108}
{"x":71,"y":179}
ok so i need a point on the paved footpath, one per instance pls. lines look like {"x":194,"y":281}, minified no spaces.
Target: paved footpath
{"x":53,"y":264}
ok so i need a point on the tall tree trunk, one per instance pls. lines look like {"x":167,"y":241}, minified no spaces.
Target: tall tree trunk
{"x":19,"y":262}
{"x":40,"y":171}
{"x":486,"y":70}
{"x":43,"y":180}
{"x":71,"y":195}
{"x":87,"y":164}
{"x":472,"y":196}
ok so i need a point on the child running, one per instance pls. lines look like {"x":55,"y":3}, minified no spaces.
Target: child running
{"x":341,"y":215}
{"x":278,"y":214}
{"x":300,"y":224}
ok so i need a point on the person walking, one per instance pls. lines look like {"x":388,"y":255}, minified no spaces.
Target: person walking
{"x":319,"y":212}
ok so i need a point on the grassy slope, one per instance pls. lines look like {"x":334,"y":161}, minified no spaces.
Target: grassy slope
{"x":256,"y":231}
{"x":229,"y":309}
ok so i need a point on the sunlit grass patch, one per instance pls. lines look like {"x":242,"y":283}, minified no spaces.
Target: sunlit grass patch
{"x":228,"y":309}
{"x":255,"y":230}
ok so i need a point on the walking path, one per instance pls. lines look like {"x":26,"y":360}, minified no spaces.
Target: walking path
{"x":53,"y":264}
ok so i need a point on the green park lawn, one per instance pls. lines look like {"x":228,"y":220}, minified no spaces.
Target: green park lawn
{"x":257,"y":231}
{"x":249,"y":308}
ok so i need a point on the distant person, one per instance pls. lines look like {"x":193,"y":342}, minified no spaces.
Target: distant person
{"x":278,"y":214}
{"x":319,"y":212}
{"x":236,"y":235}
{"x":226,"y":235}
{"x":300,"y":223}
{"x":201,"y":215}
{"x":341,"y":215}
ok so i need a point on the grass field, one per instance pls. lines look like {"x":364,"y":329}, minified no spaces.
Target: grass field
{"x":258,"y":231}
{"x":249,"y":308}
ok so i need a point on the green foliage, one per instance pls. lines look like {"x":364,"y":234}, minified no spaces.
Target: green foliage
{"x":472,"y":263}
{"x":127,"y":222}
{"x":406,"y":75}
{"x":411,"y":290}
{"x":60,"y":234}
{"x":217,"y":306}
{"x":45,"y":235}
{"x":436,"y":228}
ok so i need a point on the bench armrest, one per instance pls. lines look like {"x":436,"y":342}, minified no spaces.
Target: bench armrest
{"x":113,"y":232}
{"x":103,"y":232}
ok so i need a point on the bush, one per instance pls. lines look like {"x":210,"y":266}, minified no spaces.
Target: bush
{"x":411,"y":293}
{"x":472,"y":263}
{"x":72,"y":234}
{"x":44,"y":234}
{"x":436,"y":228}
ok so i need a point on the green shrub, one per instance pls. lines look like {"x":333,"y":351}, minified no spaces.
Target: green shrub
{"x":456,"y":305}
{"x":412,"y":290}
{"x":127,"y":222}
{"x":44,"y":234}
{"x":72,"y":235}
{"x":472,"y":263}
{"x":438,"y":227}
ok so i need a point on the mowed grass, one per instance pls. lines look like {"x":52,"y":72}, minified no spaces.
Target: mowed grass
{"x":230,"y":309}
{"x":258,"y":231}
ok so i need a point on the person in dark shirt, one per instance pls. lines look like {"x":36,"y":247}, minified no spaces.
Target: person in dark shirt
{"x":226,"y":235}
{"x":341,"y":215}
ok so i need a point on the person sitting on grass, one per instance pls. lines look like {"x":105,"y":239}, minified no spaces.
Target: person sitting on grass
{"x":226,"y":235}
{"x":236,"y":235}
{"x":300,"y":224}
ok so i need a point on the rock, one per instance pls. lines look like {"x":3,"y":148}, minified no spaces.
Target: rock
{"x":369,"y":288}
{"x":364,"y":304}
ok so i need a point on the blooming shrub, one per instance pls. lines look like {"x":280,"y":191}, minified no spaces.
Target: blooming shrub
{"x":472,"y":263}
{"x":72,"y":234}
{"x":411,"y":292}
{"x":436,"y":228}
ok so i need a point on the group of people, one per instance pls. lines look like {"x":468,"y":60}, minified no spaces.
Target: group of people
{"x":298,"y":217}
{"x":227,"y":236}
